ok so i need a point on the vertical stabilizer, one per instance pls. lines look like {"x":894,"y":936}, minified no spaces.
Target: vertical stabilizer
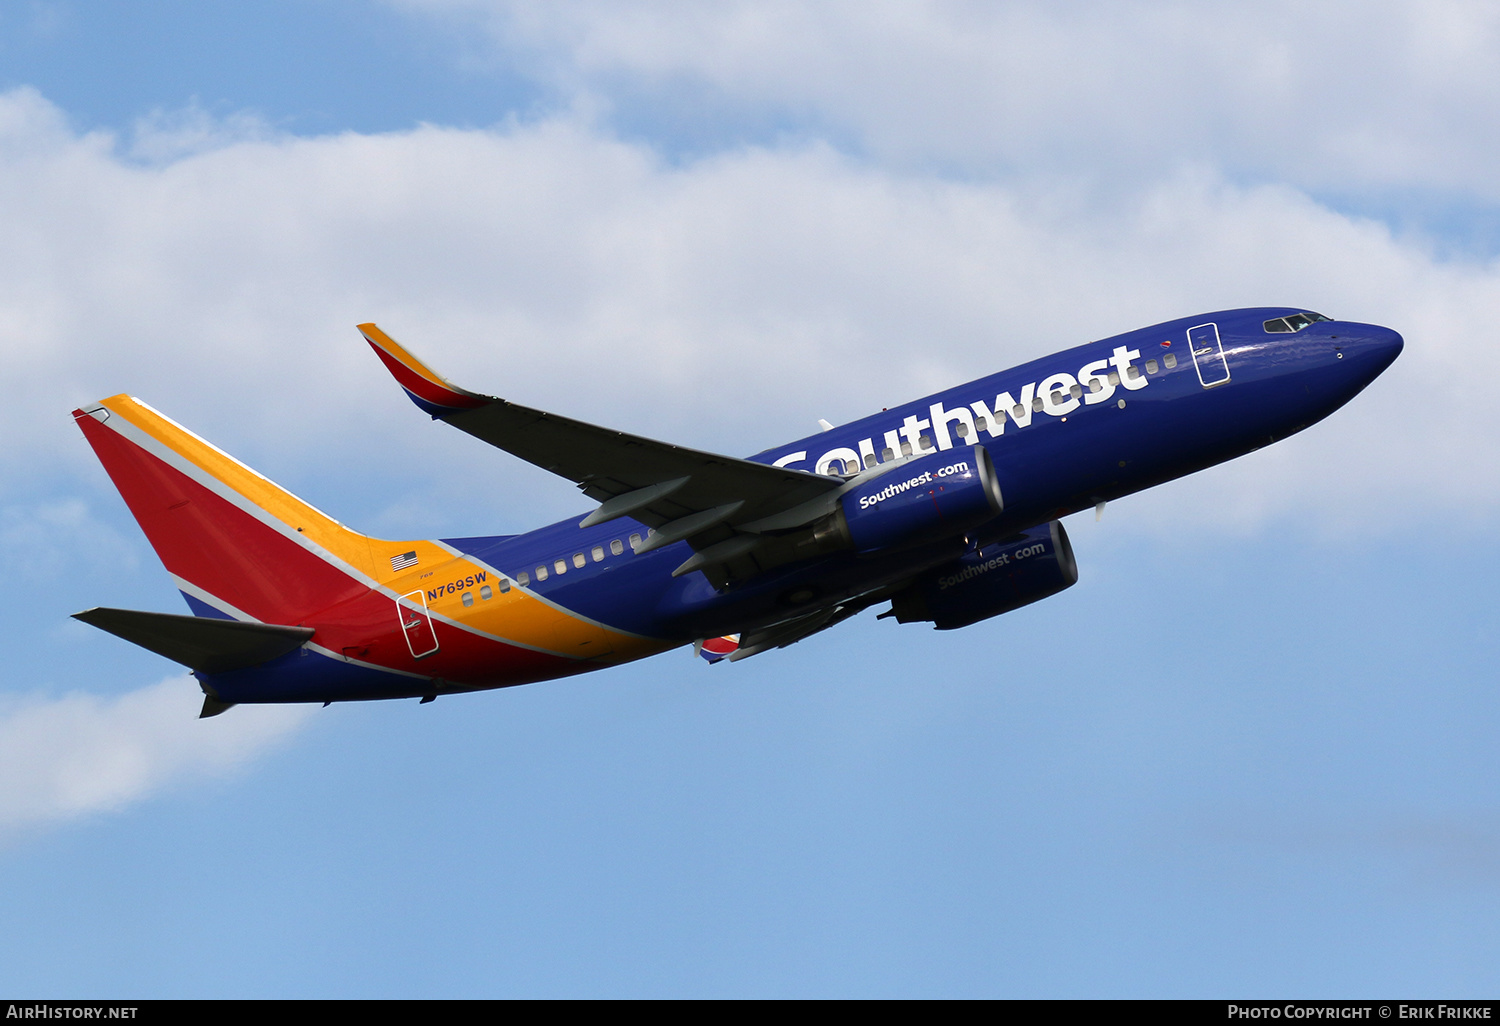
{"x":239,"y":546}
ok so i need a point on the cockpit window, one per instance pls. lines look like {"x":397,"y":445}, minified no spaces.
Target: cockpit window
{"x":1295,"y":322}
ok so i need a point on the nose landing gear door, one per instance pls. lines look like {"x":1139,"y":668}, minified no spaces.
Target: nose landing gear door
{"x":1208,"y":354}
{"x":416,"y":625}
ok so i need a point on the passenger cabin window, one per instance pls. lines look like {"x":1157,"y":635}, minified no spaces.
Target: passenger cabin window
{"x":541,"y":573}
{"x":887,"y":454}
{"x":870,"y":456}
{"x":1170,"y":360}
{"x":598,"y":553}
{"x":523,"y":578}
{"x":1150,"y":366}
{"x":468,"y":598}
{"x":635,"y":542}
{"x":617,"y":547}
{"x":485,"y":592}
{"x":1293,"y":322}
{"x":560,"y":565}
{"x":504,"y":585}
{"x":578,"y":560}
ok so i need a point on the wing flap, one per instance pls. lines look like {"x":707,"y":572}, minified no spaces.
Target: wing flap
{"x":789,"y":632}
{"x":805,"y":625}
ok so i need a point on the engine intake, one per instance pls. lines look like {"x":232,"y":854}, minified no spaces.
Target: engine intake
{"x":940,"y":496}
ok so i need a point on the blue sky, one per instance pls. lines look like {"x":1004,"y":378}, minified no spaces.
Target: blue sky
{"x":320,"y":67}
{"x":1250,"y":752}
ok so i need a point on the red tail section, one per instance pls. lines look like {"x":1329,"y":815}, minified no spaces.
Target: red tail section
{"x":232,"y":539}
{"x":241,"y":547}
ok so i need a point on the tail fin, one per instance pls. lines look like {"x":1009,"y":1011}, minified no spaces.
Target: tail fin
{"x":238,"y":546}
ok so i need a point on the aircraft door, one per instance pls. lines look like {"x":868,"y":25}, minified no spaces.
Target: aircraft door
{"x":416,"y":625}
{"x":1208,"y":354}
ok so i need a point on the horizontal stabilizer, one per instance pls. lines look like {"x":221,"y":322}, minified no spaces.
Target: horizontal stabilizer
{"x":200,"y":643}
{"x":212,"y":707}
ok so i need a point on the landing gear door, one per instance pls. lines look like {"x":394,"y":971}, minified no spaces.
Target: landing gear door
{"x":416,"y":625}
{"x":1208,"y":355}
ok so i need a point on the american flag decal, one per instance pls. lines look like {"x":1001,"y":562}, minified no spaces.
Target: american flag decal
{"x":403,"y":561}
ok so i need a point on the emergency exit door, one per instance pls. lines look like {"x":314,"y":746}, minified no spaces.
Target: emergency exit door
{"x":416,"y":625}
{"x":1208,"y":355}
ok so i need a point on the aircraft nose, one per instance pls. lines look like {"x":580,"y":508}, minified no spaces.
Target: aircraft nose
{"x":1391,"y":343}
{"x":1372,"y":347}
{"x":1380,"y":345}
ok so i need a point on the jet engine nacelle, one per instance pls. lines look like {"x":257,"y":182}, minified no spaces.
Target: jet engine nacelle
{"x":991,"y":580}
{"x":941,"y":496}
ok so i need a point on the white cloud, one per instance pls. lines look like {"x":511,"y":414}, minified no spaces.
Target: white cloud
{"x":1333,"y":96}
{"x":163,"y":136}
{"x":61,"y":758}
{"x":216,"y":268}
{"x":726,"y":302}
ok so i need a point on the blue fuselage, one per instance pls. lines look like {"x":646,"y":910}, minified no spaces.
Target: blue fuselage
{"x":1066,"y":432}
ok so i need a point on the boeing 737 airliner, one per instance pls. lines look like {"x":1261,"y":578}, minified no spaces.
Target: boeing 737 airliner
{"x":947,"y":508}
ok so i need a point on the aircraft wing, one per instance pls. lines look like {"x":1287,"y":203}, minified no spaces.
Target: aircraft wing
{"x":719,"y":504}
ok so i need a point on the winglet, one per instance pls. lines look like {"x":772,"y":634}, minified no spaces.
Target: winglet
{"x":424,"y":385}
